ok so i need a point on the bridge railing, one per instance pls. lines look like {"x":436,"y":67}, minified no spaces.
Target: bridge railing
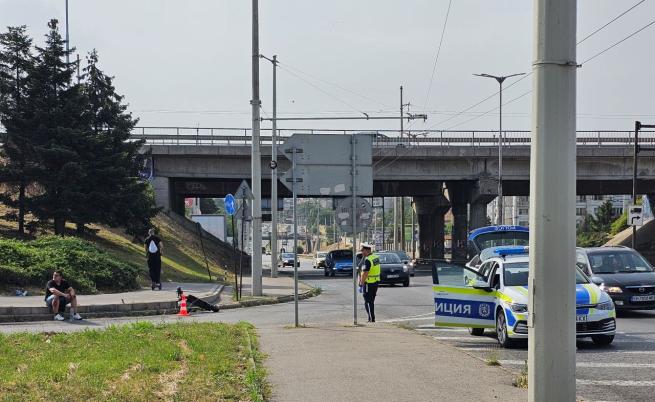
{"x":383,"y":138}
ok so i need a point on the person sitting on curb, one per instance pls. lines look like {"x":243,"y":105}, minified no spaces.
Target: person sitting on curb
{"x":58,"y":293}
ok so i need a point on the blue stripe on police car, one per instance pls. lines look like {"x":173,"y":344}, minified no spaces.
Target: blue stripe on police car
{"x":464,"y":308}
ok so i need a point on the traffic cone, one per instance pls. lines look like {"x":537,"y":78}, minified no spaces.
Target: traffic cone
{"x":183,"y":311}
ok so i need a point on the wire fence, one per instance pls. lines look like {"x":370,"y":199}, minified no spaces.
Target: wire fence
{"x":382,"y":138}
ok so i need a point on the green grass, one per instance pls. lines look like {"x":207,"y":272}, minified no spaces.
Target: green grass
{"x":139,"y":362}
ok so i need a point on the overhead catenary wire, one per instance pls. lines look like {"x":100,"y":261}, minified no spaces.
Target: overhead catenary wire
{"x":530,"y":73}
{"x":436,"y":59}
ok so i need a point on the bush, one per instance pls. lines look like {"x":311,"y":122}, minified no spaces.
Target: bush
{"x":619,"y":225}
{"x":591,"y":239}
{"x":87,"y":268}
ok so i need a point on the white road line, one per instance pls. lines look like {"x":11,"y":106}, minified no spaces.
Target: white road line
{"x":419,"y":317}
{"x":466,"y":339}
{"x":588,"y":364}
{"x":445,"y":329}
{"x":620,"y":383}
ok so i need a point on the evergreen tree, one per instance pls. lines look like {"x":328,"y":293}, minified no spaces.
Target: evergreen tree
{"x":112,"y":192}
{"x":208,"y":206}
{"x":16,"y":170}
{"x":602,"y":222}
{"x":54,"y":121}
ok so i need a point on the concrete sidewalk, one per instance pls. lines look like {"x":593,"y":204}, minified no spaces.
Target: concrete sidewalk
{"x":376,"y":363}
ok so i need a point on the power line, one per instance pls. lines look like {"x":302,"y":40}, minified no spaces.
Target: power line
{"x":321,"y":90}
{"x":529,"y":74}
{"x":436,"y":59}
{"x":489,"y":111}
{"x":611,"y":21}
{"x":619,"y":42}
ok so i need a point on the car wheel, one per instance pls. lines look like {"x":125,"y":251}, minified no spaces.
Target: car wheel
{"x":476,"y":331}
{"x":406,"y":283}
{"x":501,"y":331}
{"x":602,"y":340}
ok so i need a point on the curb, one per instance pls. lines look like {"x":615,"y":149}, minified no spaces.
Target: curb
{"x":26,"y":314}
{"x":268,"y":300}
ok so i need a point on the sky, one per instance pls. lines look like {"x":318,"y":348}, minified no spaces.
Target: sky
{"x":188,"y":63}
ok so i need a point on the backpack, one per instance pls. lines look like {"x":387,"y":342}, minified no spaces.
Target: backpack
{"x":152,"y":248}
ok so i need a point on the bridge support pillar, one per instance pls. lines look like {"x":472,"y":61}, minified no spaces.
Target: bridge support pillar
{"x":163,"y":193}
{"x":430,"y":212}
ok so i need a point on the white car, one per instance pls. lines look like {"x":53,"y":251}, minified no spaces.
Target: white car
{"x":496,"y":296}
{"x":319,"y":260}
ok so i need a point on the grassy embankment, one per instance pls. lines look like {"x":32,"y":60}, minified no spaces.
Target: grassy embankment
{"x":139,"y":362}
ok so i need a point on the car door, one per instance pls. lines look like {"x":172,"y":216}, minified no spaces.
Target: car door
{"x":462,"y":298}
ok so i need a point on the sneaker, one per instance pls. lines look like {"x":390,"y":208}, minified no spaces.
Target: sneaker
{"x":59,"y":317}
{"x":76,"y":316}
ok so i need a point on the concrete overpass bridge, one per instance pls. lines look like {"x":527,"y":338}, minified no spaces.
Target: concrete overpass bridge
{"x":211,"y":162}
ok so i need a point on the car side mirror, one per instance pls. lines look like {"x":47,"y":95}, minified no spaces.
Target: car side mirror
{"x":405,"y":261}
{"x":478,"y":284}
{"x":596,"y":280}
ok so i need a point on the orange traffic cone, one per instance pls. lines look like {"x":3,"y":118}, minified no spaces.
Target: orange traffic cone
{"x":183,"y":311}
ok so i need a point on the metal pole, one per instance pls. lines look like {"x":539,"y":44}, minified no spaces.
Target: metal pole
{"x":384,"y":232}
{"x":634,"y":180}
{"x":295,"y":237}
{"x":500,"y":158}
{"x":413,"y":232}
{"x":274,"y":175}
{"x":353,"y":174}
{"x":402,"y":199}
{"x":256,"y":160}
{"x":551,"y":284}
{"x":67,"y":37}
{"x":234,"y":248}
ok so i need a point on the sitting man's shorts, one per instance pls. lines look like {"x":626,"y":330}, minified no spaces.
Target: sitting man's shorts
{"x":62,"y":302}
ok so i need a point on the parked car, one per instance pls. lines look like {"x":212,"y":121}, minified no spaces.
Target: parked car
{"x":338,"y":262}
{"x":319,"y":260}
{"x":406,"y":260}
{"x":392,"y":269}
{"x":286,"y":260}
{"x":621,"y":272}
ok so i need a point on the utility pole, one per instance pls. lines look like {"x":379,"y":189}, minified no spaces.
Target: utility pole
{"x":67,"y":37}
{"x":256,"y":161}
{"x":637,"y":149}
{"x":551,"y":283}
{"x":273,"y":171}
{"x":402,"y":199}
{"x":500,"y":79}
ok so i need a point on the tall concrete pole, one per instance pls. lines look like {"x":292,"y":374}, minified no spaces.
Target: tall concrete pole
{"x":402,"y":199}
{"x":551,"y":350}
{"x":274,"y":175}
{"x":256,"y":160}
{"x":501,"y":212}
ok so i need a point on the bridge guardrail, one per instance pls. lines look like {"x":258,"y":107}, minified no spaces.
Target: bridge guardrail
{"x":383,"y":138}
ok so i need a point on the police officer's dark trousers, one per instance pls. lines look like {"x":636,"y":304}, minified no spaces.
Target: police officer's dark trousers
{"x":370,"y":291}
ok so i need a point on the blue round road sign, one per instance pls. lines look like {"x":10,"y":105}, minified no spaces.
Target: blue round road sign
{"x":230,"y":204}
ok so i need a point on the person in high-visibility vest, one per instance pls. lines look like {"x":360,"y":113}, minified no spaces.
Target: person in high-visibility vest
{"x":369,"y":279}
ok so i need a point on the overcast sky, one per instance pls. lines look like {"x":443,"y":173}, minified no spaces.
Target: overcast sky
{"x":187,"y":63}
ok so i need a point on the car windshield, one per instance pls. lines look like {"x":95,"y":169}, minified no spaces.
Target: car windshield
{"x":287,"y":255}
{"x":618,"y":261}
{"x":402,"y":255}
{"x":516,"y":274}
{"x":389,"y":258}
{"x":342,"y":254}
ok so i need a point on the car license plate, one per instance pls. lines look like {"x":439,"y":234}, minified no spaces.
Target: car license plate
{"x":393,"y":276}
{"x":580,"y":318}
{"x":642,"y":298}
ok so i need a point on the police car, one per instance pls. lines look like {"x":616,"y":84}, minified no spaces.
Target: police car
{"x":494,"y":236}
{"x":496,"y":296}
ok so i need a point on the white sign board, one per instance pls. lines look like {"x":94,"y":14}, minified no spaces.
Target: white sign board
{"x":214,"y":224}
{"x":635,"y":215}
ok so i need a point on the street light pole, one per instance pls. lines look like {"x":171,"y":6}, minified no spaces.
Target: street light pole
{"x":500,"y":79}
{"x":273,"y":171}
{"x":67,"y":38}
{"x":256,"y":168}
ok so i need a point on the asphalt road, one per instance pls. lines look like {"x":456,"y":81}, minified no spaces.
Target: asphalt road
{"x":624,"y":371}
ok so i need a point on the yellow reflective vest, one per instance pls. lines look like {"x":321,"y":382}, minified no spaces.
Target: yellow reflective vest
{"x":374,"y":272}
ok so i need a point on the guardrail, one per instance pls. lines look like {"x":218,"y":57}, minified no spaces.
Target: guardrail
{"x":383,"y":138}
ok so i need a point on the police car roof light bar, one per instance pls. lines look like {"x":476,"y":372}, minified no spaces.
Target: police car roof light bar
{"x":511,"y":250}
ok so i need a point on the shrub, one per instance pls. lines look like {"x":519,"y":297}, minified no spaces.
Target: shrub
{"x":619,"y":225}
{"x":87,"y":268}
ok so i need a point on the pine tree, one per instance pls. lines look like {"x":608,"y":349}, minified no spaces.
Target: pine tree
{"x":16,"y":166}
{"x":55,"y":107}
{"x":208,"y":206}
{"x":112,"y":192}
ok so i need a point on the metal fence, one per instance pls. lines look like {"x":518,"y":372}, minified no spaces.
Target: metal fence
{"x":383,"y":138}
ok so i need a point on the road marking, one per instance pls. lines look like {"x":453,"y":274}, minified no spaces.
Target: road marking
{"x":433,"y":328}
{"x":465,"y":339}
{"x":588,"y":364}
{"x":619,"y":383}
{"x":419,"y":317}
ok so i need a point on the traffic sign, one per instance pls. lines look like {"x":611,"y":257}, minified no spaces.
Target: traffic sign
{"x":324,"y":165}
{"x":243,"y":192}
{"x":635,"y":215}
{"x":344,"y":210}
{"x":230,"y":204}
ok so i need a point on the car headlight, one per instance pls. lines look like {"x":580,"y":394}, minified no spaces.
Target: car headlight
{"x":611,"y":289}
{"x":405,"y":268}
{"x":608,"y":305}
{"x":519,"y":308}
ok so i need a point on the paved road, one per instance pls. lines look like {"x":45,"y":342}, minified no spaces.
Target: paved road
{"x":624,"y":371}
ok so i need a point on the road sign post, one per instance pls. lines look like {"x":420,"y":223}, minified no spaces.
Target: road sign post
{"x":231,"y":210}
{"x":295,"y":237}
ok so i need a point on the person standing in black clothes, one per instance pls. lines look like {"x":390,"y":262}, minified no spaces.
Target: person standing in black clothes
{"x":154,"y":249}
